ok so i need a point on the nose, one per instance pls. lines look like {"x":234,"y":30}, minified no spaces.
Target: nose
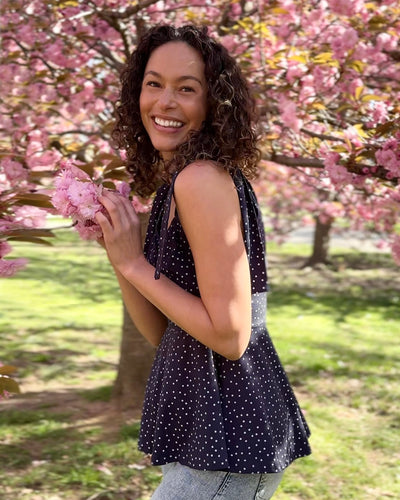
{"x":166,"y":98}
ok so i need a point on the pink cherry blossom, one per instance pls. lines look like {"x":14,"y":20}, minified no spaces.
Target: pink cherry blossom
{"x":346,"y":7}
{"x":389,"y":157}
{"x":30,"y":216}
{"x":5,"y":248}
{"x":88,"y":229}
{"x":396,"y":249}
{"x":337,"y":173}
{"x":343,"y":40}
{"x":13,"y":170}
{"x":9,"y":267}
{"x":288,"y":114}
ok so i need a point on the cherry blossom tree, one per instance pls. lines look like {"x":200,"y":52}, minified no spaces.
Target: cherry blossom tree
{"x":335,"y":70}
{"x":326,"y":75}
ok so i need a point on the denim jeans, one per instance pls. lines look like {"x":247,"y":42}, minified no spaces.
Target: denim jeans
{"x":184,"y":483}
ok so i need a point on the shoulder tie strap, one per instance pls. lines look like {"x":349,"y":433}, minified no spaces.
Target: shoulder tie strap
{"x":164,"y":227}
{"x":239,"y":182}
{"x":253,"y":226}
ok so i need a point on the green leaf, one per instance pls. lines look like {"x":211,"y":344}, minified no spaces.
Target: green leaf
{"x":37,"y":233}
{"x":34,"y":199}
{"x":8,"y":384}
{"x":31,"y":239}
{"x":324,"y":57}
{"x":359,"y":91}
{"x":104,"y":156}
{"x":116,"y":174}
{"x":115,"y":163}
{"x":7,"y":369}
{"x":358,"y":66}
{"x":387,"y":127}
{"x":109,"y":185}
{"x":373,"y":97}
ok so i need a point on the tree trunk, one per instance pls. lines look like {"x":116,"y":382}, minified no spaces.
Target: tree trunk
{"x":136,"y":357}
{"x":321,"y":243}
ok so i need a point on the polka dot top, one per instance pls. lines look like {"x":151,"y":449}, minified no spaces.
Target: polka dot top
{"x":201,"y":409}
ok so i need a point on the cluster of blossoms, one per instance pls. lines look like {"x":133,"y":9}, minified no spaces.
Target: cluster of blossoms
{"x":396,"y":249}
{"x":13,"y":217}
{"x":76,"y":196}
{"x":389,"y":156}
{"x":8,"y":267}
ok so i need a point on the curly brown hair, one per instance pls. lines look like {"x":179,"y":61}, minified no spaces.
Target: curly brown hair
{"x":227,"y":136}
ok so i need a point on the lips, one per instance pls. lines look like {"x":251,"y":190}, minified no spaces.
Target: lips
{"x":167,"y":123}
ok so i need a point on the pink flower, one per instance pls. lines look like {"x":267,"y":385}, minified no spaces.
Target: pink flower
{"x":62,"y":203}
{"x":88,"y":230}
{"x":83,"y":196}
{"x":30,"y":216}
{"x":44,"y":159}
{"x":139,"y":206}
{"x":396,"y":250}
{"x":14,"y":170}
{"x":8,"y":267}
{"x":346,"y":7}
{"x":288,"y":115}
{"x":4,"y":394}
{"x":77,"y":196}
{"x":389,"y":157}
{"x":379,"y":112}
{"x":337,"y":173}
{"x":5,"y":248}
{"x":124,"y":189}
{"x":344,"y":41}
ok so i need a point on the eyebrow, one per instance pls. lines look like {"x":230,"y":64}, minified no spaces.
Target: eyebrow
{"x":180,"y":79}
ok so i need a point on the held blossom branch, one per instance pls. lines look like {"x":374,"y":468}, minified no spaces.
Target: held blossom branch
{"x":76,"y":196}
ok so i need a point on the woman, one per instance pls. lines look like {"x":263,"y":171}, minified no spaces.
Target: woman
{"x":219,"y":414}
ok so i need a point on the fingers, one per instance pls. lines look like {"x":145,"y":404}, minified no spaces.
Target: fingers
{"x":105,"y":225}
{"x":101,"y":242}
{"x":118,"y":207}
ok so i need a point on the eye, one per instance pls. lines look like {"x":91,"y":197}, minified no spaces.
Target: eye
{"x":187,"y":89}
{"x":152,"y":83}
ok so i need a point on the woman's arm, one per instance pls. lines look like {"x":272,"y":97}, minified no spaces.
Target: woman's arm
{"x":149,"y":320}
{"x":209,"y":211}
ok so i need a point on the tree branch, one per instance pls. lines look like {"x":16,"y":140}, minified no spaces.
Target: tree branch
{"x":130,"y":11}
{"x":352,"y":166}
{"x":293,"y":161}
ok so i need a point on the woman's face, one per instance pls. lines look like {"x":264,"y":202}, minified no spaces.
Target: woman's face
{"x":173,"y":96}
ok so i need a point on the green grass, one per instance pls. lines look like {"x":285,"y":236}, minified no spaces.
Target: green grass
{"x":335,"y":329}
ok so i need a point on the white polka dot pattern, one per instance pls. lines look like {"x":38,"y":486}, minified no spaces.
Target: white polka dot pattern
{"x":201,"y":409}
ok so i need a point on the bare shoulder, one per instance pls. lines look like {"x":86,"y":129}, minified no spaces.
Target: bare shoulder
{"x":202,"y":178}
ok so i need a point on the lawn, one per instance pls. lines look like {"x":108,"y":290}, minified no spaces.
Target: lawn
{"x":335,"y":329}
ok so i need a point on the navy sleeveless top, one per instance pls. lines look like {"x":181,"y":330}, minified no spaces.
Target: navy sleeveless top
{"x":201,"y":409}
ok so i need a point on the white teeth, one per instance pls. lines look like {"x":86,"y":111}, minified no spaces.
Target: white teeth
{"x":167,"y":123}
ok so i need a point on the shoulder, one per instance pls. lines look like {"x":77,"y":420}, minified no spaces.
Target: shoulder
{"x":202,"y":178}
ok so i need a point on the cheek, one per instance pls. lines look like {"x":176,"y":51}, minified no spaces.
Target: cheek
{"x":142,"y":103}
{"x":201,"y":111}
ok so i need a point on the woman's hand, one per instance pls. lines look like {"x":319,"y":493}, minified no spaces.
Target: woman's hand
{"x":121,"y":232}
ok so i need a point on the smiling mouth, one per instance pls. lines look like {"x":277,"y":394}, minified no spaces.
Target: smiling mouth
{"x":168,"y":123}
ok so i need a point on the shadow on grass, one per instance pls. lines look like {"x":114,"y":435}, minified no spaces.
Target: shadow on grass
{"x":70,"y":437}
{"x":53,"y":363}
{"x":358,"y":300}
{"x":88,"y":277}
